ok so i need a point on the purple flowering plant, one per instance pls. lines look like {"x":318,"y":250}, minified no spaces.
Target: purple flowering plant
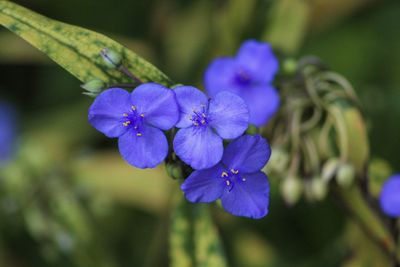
{"x":236,"y":180}
{"x":249,"y":75}
{"x":204,"y":123}
{"x":8,"y":132}
{"x":390,"y":196}
{"x":138,"y":120}
{"x":197,"y":126}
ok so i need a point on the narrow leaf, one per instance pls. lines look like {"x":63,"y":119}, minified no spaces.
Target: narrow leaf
{"x":194,"y":240}
{"x":74,"y":48}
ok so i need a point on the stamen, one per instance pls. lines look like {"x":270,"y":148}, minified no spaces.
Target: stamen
{"x":234,"y":171}
{"x":204,"y":115}
{"x":126,"y":123}
{"x":133,"y":108}
{"x":142,"y":115}
{"x":228,"y":183}
{"x":224,"y":174}
{"x":139,"y":134}
{"x":203,"y":122}
{"x":125,"y":114}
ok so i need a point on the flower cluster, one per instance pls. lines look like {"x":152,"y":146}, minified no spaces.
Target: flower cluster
{"x":390,"y":196}
{"x":232,"y":174}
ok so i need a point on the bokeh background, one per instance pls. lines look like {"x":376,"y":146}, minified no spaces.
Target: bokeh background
{"x":68,"y":199}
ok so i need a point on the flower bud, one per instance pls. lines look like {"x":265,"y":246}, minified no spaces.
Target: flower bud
{"x":112,"y":58}
{"x":94,"y":86}
{"x":319,"y":188}
{"x":345,"y":175}
{"x":252,"y":129}
{"x":289,"y":66}
{"x":174,"y":171}
{"x":278,"y":162}
{"x":329,"y":169}
{"x":291,"y":189}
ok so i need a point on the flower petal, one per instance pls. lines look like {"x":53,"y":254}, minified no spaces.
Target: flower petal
{"x":157,"y":103}
{"x":249,"y":198}
{"x":189,"y":98}
{"x":390,"y":196}
{"x":145,"y":151}
{"x":262,"y":101}
{"x":220,"y":76}
{"x":229,"y":115}
{"x":107,"y":110}
{"x":259,"y":59}
{"x":199,"y":147}
{"x":8,"y":132}
{"x":247,"y":154}
{"x":204,"y":185}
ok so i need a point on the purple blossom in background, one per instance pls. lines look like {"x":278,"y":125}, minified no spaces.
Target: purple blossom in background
{"x":137,"y":119}
{"x":236,"y":180}
{"x":205,"y":123}
{"x":248,"y":75}
{"x":8,"y":132}
{"x":390,"y":196}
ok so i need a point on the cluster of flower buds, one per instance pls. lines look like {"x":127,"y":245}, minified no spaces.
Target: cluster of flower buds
{"x":319,"y":136}
{"x":207,"y":130}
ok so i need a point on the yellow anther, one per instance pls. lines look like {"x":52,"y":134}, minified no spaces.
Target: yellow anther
{"x":204,"y":115}
{"x":125,"y":115}
{"x":126,"y":123}
{"x":138,"y":134}
{"x":234,"y":171}
{"x":133,"y":108}
{"x":228,"y":183}
{"x":203,"y":122}
{"x":195,"y":124}
{"x":224,"y":174}
{"x":142,"y":115}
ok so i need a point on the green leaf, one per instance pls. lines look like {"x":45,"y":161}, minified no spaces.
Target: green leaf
{"x":194,"y":240}
{"x":74,"y":48}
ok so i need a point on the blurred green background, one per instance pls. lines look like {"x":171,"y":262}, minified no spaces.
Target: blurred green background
{"x":68,"y":199}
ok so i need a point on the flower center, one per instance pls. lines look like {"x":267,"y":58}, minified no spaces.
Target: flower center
{"x":242,"y":78}
{"x":134,"y":120}
{"x":199,"y":118}
{"x":231,"y":177}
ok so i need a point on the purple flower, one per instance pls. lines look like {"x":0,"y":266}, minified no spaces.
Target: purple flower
{"x":249,"y":75}
{"x":204,"y":123}
{"x":236,"y":180}
{"x":8,"y":132}
{"x":390,"y":196}
{"x":137,"y":119}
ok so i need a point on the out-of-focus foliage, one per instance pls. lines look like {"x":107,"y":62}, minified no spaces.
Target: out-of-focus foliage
{"x":69,"y":200}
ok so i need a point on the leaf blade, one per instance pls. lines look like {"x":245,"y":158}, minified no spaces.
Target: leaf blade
{"x":74,"y":48}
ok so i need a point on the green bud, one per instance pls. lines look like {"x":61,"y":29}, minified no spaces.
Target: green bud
{"x":112,"y":58}
{"x":289,"y":66}
{"x":291,"y":189}
{"x":174,"y":170}
{"x":278,"y":162}
{"x":345,"y":175}
{"x":329,"y":169}
{"x":94,"y":86}
{"x":252,"y":130}
{"x":319,"y":188}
